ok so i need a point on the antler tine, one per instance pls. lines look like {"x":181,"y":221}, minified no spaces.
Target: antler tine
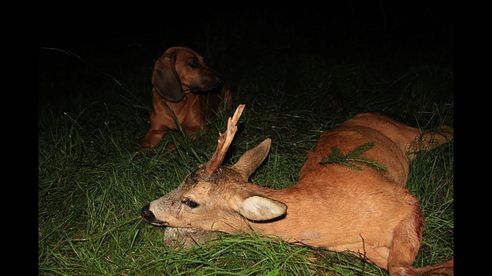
{"x":223,"y":143}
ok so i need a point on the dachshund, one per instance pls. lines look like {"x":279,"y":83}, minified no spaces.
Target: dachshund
{"x":185,"y":93}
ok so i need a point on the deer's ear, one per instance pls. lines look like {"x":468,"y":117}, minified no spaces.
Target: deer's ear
{"x":259,"y":208}
{"x":252,"y":159}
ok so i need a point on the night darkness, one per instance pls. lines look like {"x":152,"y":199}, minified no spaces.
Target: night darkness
{"x":239,"y":37}
{"x":340,"y":24}
{"x":344,"y":24}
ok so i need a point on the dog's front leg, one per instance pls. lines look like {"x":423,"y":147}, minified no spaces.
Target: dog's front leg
{"x":153,"y":137}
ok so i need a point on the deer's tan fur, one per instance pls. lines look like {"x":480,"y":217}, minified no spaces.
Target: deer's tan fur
{"x":366,"y":212}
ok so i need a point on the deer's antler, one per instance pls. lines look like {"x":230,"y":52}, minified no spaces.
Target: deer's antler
{"x":223,"y":143}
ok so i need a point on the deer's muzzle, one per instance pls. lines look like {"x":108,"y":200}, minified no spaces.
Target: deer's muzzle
{"x":148,"y":216}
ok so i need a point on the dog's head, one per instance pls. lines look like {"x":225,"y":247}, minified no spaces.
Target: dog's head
{"x":180,"y":70}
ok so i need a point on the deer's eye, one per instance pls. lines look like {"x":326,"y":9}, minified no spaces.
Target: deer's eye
{"x":191,"y":203}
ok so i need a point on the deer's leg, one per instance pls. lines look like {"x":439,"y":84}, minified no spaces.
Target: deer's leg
{"x":429,"y":140}
{"x":378,"y":256}
{"x":405,"y":244}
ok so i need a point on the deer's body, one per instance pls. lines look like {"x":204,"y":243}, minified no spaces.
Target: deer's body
{"x":367,"y":212}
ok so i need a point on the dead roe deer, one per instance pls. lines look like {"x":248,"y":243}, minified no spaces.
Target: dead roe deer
{"x":366,"y":212}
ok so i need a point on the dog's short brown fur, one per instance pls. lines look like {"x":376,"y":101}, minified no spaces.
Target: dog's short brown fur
{"x":185,"y":91}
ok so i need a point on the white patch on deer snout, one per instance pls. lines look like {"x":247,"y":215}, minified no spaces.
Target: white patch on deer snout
{"x":261,"y":208}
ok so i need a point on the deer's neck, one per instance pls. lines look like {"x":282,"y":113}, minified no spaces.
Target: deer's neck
{"x":313,"y":207}
{"x":292,"y":197}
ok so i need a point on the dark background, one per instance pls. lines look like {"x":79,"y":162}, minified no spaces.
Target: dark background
{"x":236,"y":40}
{"x":400,"y":22}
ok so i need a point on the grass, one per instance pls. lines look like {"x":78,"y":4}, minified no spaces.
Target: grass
{"x":91,"y":192}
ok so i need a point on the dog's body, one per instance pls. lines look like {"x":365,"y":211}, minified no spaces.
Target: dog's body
{"x":185,"y":92}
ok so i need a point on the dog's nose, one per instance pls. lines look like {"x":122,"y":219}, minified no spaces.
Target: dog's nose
{"x":218,"y":79}
{"x":147,"y":214}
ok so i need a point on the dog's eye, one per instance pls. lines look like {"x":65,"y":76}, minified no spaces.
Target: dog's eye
{"x":192,"y":204}
{"x":192,"y":63}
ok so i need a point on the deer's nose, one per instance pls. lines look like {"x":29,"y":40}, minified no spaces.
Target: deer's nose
{"x":147,"y":214}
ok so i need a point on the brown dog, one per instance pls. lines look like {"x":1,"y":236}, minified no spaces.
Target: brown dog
{"x":185,"y":92}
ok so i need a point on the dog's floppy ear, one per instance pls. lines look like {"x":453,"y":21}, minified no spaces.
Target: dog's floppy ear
{"x":166,"y":80}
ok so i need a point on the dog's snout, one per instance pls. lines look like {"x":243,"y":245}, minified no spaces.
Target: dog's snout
{"x":216,"y":75}
{"x":218,"y":79}
{"x":147,"y":214}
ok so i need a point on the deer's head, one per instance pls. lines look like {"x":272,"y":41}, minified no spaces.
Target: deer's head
{"x":217,"y":197}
